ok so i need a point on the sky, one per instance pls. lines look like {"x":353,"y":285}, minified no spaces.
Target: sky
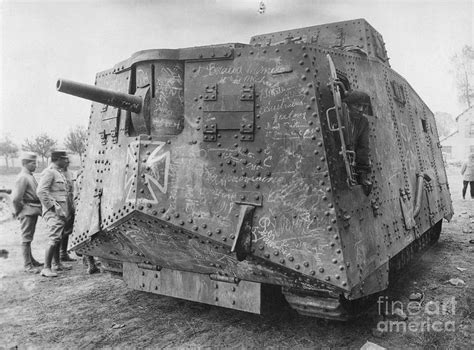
{"x":43,"y":40}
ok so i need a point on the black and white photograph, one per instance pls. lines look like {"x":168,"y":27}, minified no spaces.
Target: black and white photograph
{"x":237,"y":174}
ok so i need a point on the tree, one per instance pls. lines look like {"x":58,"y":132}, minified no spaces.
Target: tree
{"x":41,"y":145}
{"x":463,"y":69}
{"x":75,"y":140}
{"x":7,"y":149}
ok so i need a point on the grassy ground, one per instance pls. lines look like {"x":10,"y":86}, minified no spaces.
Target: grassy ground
{"x":83,"y":311}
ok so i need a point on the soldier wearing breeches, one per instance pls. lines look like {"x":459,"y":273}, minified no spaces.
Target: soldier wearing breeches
{"x":27,"y":208}
{"x":54,"y":196}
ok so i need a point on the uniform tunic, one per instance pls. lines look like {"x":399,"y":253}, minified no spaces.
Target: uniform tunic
{"x":26,"y":204}
{"x":467,"y":171}
{"x":356,"y":132}
{"x":54,"y":196}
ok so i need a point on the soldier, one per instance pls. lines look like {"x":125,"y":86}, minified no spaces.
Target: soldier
{"x":54,"y":196}
{"x":467,"y":172}
{"x":27,"y":208}
{"x":357,"y":135}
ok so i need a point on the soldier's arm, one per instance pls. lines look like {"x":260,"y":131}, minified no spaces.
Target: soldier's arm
{"x":43,"y":189}
{"x":18,"y":193}
{"x":463,"y":168}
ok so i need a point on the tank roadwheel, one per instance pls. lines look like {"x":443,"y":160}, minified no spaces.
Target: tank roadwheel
{"x":326,"y":308}
{"x":6,"y":208}
{"x":313,"y":305}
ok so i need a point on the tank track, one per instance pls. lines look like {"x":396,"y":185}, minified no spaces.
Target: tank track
{"x":324,"y":305}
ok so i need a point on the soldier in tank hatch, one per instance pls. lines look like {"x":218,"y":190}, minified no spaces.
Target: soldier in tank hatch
{"x":27,"y":208}
{"x":357,"y":132}
{"x":53,"y":192}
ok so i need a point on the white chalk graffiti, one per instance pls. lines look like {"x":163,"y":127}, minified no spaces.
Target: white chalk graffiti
{"x":159,"y":164}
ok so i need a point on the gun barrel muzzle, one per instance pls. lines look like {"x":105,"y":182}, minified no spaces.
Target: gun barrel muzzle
{"x":121,"y":100}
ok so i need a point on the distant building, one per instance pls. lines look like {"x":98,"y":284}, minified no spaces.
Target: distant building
{"x":457,"y":146}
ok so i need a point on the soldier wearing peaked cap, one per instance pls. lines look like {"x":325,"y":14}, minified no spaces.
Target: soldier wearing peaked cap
{"x":53,"y":192}
{"x":27,"y":208}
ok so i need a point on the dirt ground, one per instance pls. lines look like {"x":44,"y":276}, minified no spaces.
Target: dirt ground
{"x":77,"y":310}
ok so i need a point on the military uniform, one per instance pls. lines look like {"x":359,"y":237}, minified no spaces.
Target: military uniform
{"x":53,"y":192}
{"x":356,"y":134}
{"x":467,"y":172}
{"x":357,"y":137}
{"x":27,"y":207}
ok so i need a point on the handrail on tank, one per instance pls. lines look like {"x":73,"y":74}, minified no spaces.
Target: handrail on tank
{"x":112,"y":98}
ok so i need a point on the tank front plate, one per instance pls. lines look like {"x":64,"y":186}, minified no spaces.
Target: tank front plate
{"x":242,"y":295}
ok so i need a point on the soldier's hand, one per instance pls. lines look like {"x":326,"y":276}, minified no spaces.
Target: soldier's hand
{"x":59,"y":211}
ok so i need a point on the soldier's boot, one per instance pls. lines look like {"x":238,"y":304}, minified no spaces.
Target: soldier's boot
{"x":34,"y":261}
{"x":63,"y":252}
{"x":27,"y":264}
{"x":91,"y":266}
{"x":47,"y":272}
{"x":57,"y":266}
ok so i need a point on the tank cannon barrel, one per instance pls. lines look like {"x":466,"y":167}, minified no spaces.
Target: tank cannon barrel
{"x":121,"y":100}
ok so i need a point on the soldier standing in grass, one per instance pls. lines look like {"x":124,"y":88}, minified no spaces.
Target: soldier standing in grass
{"x":27,"y":208}
{"x":467,"y":172}
{"x":53,"y":192}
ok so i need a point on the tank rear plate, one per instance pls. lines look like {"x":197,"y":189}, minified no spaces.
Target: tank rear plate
{"x":242,"y":295}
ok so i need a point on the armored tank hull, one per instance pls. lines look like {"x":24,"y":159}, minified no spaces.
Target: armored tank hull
{"x":222,"y":177}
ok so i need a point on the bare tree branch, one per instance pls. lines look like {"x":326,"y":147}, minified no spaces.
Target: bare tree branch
{"x":7,"y":149}
{"x":463,"y":64}
{"x":41,"y":145}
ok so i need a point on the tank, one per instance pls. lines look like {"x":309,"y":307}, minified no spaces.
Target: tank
{"x":221,"y":174}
